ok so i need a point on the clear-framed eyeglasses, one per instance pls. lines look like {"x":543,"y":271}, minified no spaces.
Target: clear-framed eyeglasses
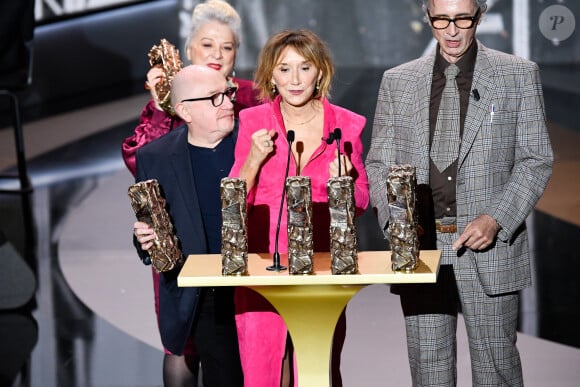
{"x":218,"y":98}
{"x":463,"y":22}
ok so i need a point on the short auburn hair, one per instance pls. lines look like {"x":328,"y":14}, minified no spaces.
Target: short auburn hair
{"x":307,"y":44}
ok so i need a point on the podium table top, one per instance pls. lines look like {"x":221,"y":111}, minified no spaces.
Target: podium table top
{"x":202,"y":270}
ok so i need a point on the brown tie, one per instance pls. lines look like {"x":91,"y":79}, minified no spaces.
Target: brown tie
{"x":445,"y":146}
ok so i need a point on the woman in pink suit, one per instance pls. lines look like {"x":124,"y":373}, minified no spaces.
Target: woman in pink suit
{"x":294,"y":75}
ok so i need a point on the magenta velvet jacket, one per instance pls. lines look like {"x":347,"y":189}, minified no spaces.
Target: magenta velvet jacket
{"x":264,"y":198}
{"x":154,"y":123}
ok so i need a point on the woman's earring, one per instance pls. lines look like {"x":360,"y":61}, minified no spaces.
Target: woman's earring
{"x":273,"y":88}
{"x":318,"y":84}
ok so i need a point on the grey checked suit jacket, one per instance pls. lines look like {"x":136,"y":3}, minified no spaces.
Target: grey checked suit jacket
{"x":503,"y":166}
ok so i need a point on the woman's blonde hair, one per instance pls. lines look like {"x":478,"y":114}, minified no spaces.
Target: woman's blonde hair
{"x":215,"y":10}
{"x":307,"y":44}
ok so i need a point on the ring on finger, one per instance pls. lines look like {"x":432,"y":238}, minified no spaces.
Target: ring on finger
{"x":267,"y":144}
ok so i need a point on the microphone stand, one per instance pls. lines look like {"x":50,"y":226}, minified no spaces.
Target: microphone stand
{"x":336,"y":135}
{"x":276,"y":257}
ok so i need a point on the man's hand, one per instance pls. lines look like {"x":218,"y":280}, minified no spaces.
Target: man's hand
{"x":145,"y":234}
{"x":478,"y":235}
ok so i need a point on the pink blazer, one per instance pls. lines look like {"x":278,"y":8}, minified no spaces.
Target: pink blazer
{"x":264,"y":198}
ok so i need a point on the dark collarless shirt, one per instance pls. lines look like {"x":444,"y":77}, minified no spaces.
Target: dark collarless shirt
{"x":443,"y":183}
{"x":210,"y":165}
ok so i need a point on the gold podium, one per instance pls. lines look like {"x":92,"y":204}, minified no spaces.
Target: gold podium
{"x":309,"y":304}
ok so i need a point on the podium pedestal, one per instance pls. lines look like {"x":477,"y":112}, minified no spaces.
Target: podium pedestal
{"x":311,"y":314}
{"x":309,"y":304}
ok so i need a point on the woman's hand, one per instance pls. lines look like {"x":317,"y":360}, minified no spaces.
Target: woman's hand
{"x":345,"y":165}
{"x":262,"y":146}
{"x":154,"y":76}
{"x":145,"y":234}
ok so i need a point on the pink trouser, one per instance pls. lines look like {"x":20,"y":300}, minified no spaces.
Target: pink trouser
{"x":262,"y":339}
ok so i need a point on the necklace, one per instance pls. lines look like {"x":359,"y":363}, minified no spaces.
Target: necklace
{"x":296,"y":123}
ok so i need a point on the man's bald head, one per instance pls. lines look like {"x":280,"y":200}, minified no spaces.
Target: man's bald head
{"x":195,"y":81}
{"x":198,"y":94}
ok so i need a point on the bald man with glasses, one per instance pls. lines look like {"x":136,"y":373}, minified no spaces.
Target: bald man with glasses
{"x":189,"y":163}
{"x":472,"y":122}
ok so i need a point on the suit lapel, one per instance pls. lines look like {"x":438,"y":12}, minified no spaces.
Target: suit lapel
{"x":423,"y":97}
{"x":183,"y":172}
{"x":478,"y":111}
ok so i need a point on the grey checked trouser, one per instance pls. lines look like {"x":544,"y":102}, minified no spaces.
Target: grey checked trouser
{"x":431,"y":321}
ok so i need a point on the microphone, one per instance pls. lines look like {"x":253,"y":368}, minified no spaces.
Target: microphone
{"x":337,"y":135}
{"x":475,"y":94}
{"x":329,"y":140}
{"x":276,"y":257}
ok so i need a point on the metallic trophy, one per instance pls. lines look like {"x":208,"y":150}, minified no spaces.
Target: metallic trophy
{"x":165,"y":56}
{"x":234,"y":227}
{"x":300,"y":236}
{"x":149,"y":207}
{"x":401,"y":192}
{"x":343,"y":240}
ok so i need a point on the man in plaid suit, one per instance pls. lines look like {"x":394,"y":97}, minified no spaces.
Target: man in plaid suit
{"x":480,"y":201}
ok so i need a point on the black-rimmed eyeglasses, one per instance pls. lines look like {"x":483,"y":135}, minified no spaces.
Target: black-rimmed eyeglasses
{"x":463,"y":22}
{"x":218,"y":98}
